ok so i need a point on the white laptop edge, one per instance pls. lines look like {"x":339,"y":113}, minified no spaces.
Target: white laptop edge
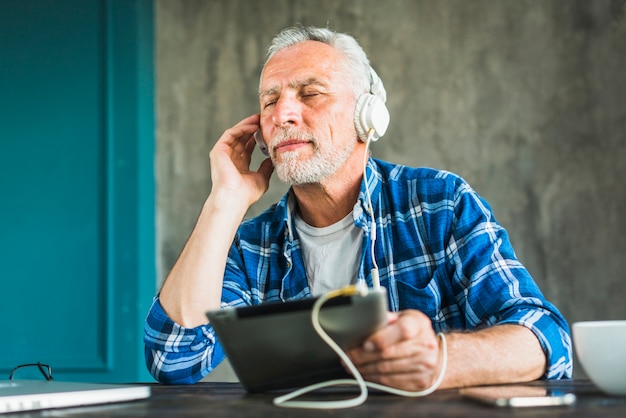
{"x":31,"y":395}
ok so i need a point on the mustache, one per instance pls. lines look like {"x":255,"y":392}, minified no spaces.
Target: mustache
{"x":285,"y":134}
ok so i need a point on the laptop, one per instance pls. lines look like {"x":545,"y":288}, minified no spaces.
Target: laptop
{"x":30,"y":395}
{"x":273,"y":346}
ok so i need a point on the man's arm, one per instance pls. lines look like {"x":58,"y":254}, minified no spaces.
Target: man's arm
{"x":407,"y":354}
{"x":194,"y":285}
{"x":504,"y":331}
{"x":498,"y":354}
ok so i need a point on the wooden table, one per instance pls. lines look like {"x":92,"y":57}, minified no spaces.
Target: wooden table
{"x":231,"y":400}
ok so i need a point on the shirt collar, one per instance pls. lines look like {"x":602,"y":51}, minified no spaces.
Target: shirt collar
{"x":361,"y":211}
{"x":374,"y":180}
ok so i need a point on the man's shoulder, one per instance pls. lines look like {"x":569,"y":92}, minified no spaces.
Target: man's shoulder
{"x":273,"y":218}
{"x":421,"y":176}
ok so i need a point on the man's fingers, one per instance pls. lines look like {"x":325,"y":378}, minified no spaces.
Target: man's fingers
{"x":242,"y":132}
{"x":409,"y":324}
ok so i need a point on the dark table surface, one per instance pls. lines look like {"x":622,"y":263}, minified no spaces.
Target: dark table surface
{"x":231,"y":400}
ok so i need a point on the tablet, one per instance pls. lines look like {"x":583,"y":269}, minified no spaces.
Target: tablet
{"x":273,"y":346}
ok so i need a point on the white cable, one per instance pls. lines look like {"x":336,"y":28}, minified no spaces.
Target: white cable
{"x":368,"y":196}
{"x":285,"y":400}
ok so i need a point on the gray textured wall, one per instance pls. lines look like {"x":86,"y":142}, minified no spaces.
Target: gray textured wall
{"x":525,"y":99}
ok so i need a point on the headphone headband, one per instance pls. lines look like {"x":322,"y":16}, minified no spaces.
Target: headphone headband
{"x":376,"y":86}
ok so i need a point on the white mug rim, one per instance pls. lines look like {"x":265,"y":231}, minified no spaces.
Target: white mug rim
{"x":601,"y":323}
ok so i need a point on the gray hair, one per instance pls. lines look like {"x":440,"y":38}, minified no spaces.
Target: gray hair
{"x":357,"y":62}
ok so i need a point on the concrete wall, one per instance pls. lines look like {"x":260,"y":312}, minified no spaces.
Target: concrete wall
{"x":525,"y":99}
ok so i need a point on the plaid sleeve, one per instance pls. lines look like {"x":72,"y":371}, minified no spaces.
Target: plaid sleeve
{"x":497,"y":288}
{"x":175,"y":354}
{"x":553,"y":334}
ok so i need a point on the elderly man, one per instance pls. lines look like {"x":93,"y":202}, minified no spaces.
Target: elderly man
{"x":424,"y":234}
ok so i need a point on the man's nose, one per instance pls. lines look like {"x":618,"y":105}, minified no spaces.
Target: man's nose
{"x":287,"y":111}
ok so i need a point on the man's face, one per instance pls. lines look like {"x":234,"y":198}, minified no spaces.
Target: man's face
{"x":307,"y":112}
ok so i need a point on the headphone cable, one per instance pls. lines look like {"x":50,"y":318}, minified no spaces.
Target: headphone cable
{"x":370,"y":208}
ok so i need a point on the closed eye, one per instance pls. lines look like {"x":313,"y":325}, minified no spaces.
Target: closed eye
{"x":310,"y":94}
{"x":269,"y":103}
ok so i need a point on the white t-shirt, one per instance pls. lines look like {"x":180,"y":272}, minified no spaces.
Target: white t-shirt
{"x":331,"y":254}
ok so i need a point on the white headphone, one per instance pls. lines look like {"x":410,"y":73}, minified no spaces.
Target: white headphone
{"x":371,"y":117}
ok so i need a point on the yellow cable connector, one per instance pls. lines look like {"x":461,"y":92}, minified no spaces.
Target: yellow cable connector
{"x":353,"y":289}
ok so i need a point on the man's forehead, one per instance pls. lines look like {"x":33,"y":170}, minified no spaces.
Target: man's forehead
{"x":306,"y":63}
{"x":295,"y":83}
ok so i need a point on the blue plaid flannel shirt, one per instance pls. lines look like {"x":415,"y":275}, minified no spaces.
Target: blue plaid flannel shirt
{"x":439,"y":250}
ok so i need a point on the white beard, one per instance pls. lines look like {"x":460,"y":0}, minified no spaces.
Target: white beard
{"x":326,"y":160}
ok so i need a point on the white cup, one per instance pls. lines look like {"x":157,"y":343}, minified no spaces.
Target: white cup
{"x":601,"y":350}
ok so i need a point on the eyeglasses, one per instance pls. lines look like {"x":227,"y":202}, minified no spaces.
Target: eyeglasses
{"x":45,"y":370}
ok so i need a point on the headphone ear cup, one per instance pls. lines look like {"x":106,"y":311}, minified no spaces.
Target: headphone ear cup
{"x":370,"y":113}
{"x":260,"y":141}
